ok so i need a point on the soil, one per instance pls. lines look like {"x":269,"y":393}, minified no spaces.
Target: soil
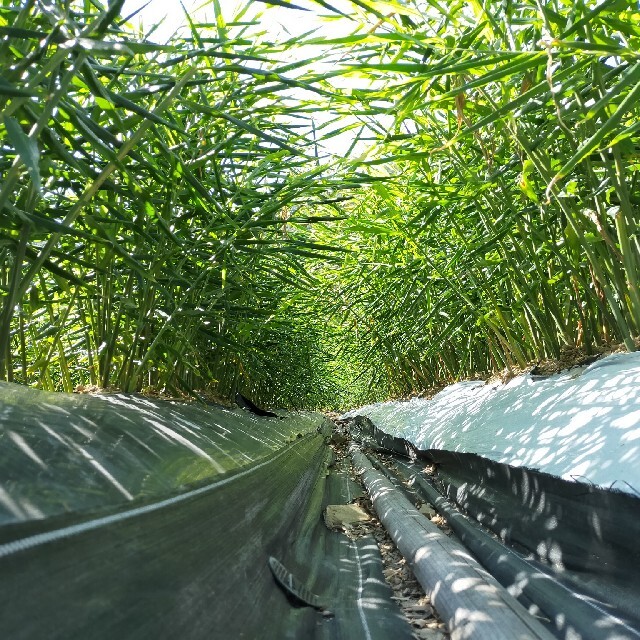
{"x":412,"y":601}
{"x":577,"y":357}
{"x":149,"y":392}
{"x":570,"y":357}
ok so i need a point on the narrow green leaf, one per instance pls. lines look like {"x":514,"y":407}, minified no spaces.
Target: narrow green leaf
{"x":326,"y":5}
{"x":11,"y":91}
{"x":607,"y":128}
{"x":26,"y":147}
{"x":102,"y":46}
{"x":125,"y":103}
{"x":260,"y":134}
{"x":631,"y":77}
{"x":283,"y":3}
{"x":109,"y":16}
{"x":29,"y":34}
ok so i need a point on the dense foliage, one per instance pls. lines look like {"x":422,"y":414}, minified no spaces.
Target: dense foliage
{"x":169,"y":221}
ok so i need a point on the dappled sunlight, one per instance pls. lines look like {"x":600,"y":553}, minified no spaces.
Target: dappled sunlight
{"x":577,"y":425}
{"x":173,"y":435}
{"x":103,"y":471}
{"x":464,"y":616}
{"x":551,"y":553}
{"x":10,"y":505}
{"x":66,"y":453}
{"x":462,"y":584}
{"x":466,"y":596}
{"x":569,"y":554}
{"x":26,"y":449}
{"x":369,"y":201}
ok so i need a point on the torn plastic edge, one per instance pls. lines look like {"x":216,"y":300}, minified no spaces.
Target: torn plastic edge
{"x":295,"y":588}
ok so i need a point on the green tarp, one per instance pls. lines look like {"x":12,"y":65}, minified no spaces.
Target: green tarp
{"x":122,"y":516}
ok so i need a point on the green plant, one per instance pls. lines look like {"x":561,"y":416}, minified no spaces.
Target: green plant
{"x":169,"y":222}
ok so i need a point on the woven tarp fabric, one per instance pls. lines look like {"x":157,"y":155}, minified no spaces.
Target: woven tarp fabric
{"x":585,"y":535}
{"x":135,"y":518}
{"x":73,"y":452}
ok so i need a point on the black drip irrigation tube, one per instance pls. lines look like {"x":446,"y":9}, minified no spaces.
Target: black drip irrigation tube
{"x":139,"y":519}
{"x":577,"y":543}
{"x":470,"y":601}
{"x":571,"y":614}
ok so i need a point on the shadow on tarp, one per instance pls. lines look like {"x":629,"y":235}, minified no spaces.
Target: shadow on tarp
{"x":586,"y":535}
{"x":128,"y":517}
{"x":581,"y":424}
{"x":66,"y":453}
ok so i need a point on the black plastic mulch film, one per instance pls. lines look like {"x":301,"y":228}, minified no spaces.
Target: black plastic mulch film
{"x":583,"y":537}
{"x":126,"y":517}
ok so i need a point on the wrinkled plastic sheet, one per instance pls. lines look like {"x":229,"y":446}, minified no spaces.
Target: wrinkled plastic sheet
{"x":581,"y":424}
{"x":79,"y":452}
{"x":585,"y":535}
{"x":123,"y":516}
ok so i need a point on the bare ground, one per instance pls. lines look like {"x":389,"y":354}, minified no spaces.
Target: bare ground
{"x":412,"y":601}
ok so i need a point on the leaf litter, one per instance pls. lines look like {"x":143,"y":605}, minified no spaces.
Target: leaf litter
{"x":408,"y":594}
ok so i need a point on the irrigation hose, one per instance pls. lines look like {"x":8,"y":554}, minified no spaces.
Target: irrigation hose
{"x":470,"y":601}
{"x":572,"y":615}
